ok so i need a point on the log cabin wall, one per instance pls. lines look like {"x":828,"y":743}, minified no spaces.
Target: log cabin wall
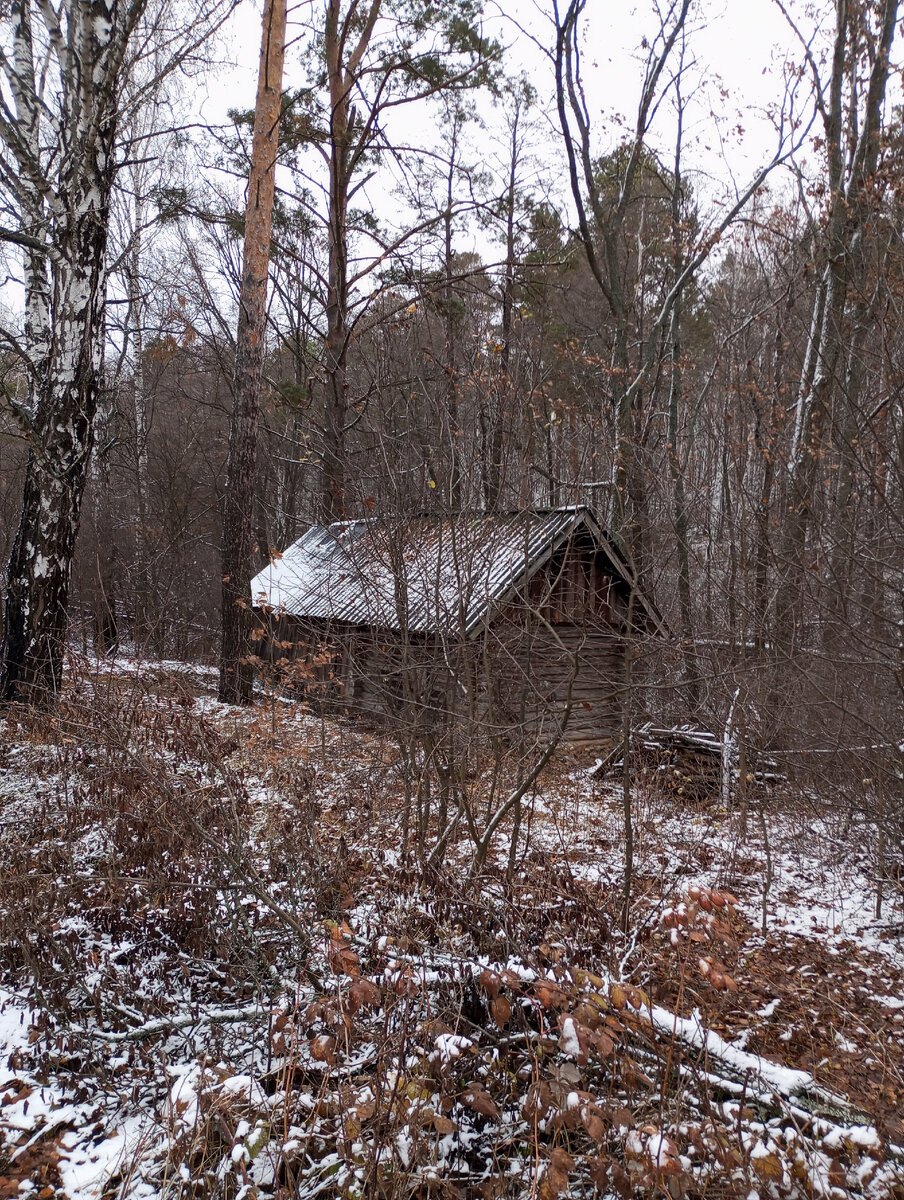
{"x":564,"y":639}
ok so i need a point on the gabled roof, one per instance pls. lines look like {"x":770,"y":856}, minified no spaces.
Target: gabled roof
{"x":424,"y":574}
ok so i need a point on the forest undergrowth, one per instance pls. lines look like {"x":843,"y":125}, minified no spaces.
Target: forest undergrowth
{"x":223,"y":976}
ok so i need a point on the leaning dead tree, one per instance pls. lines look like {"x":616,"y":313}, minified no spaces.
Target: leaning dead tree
{"x":236,"y":677}
{"x":66,"y":82}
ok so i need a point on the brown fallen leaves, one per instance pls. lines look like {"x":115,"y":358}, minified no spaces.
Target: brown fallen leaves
{"x":652,"y":1163}
{"x":501,"y":1009}
{"x":36,"y":1165}
{"x":702,"y":916}
{"x":577,"y":1039}
{"x":363,"y":993}
{"x":323,"y":1049}
{"x":550,"y":994}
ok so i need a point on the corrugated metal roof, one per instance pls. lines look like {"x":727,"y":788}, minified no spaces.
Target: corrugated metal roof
{"x":422,"y":574}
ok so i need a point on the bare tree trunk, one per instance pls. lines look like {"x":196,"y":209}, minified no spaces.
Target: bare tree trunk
{"x":676,"y":405}
{"x":765,"y":441}
{"x":497,"y":420}
{"x":141,"y":583}
{"x":333,"y":503}
{"x":236,"y":676}
{"x":626,"y":779}
{"x":450,"y":337}
{"x":805,"y":454}
{"x":847,"y":435}
{"x":852,"y":135}
{"x":682,"y":534}
{"x":342,"y":160}
{"x":730,"y":524}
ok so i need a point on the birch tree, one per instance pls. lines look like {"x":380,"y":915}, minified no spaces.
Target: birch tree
{"x":69,"y":73}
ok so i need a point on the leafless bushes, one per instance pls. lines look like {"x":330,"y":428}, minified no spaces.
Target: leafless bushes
{"x":300,"y":1012}
{"x":143,"y":835}
{"x":419,"y":1068}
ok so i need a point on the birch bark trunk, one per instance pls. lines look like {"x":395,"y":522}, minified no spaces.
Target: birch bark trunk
{"x":61,"y":441}
{"x":69,"y":72}
{"x":64,"y":337}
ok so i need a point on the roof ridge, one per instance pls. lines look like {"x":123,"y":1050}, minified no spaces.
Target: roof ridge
{"x":466,"y":513}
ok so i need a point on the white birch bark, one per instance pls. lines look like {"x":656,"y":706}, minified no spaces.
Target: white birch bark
{"x":729,"y":753}
{"x":63,"y":70}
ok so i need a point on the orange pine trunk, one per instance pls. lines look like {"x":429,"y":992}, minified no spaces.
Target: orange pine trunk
{"x":236,"y":674}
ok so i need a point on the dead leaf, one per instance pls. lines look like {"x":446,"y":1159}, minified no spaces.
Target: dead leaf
{"x":493,"y":1188}
{"x":406,"y":984}
{"x":604,"y":1044}
{"x":588,"y":1014}
{"x":593,"y":1122}
{"x":767,"y":1166}
{"x":481,"y":1102}
{"x":538,"y":1102}
{"x":555,"y":1181}
{"x":566,"y":1073}
{"x":512,"y":980}
{"x":550,"y":994}
{"x":344,"y":961}
{"x":323,"y":1049}
{"x":574,"y":1038}
{"x":633,"y":1077}
{"x":364,"y":993}
{"x":491,"y":983}
{"x":621,"y":1181}
{"x":502,"y":1011}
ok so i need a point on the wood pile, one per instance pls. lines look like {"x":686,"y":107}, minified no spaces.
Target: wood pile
{"x":685,"y":762}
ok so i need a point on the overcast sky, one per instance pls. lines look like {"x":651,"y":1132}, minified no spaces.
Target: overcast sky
{"x":739,"y":56}
{"x":738,"y":46}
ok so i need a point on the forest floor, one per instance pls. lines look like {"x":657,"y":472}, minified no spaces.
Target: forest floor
{"x":218,"y":975}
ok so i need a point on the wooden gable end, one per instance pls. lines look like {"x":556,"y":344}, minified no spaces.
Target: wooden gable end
{"x":577,"y":586}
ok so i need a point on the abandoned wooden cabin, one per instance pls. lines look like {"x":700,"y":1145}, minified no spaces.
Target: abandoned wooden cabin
{"x":513,"y":620}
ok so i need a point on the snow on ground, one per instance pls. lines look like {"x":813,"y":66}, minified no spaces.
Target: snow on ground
{"x":176,"y":1036}
{"x":829,"y":971}
{"x":41,"y":1120}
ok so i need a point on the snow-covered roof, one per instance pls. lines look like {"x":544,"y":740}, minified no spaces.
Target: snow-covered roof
{"x":422,"y":574}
